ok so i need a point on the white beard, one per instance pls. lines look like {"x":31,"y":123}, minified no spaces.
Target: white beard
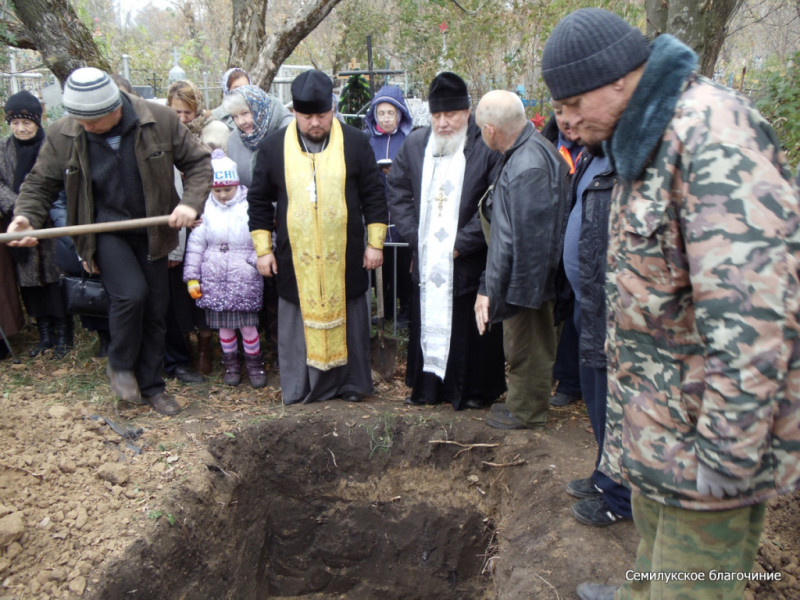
{"x":449,"y":144}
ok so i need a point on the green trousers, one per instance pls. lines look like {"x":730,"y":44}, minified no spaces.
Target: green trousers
{"x":530,"y":340}
{"x":702,"y":551}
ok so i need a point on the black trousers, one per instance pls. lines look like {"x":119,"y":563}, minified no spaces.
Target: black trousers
{"x":138,"y":292}
{"x":179,"y":321}
{"x":475,"y":365}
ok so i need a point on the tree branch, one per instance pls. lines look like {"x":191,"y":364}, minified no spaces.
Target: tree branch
{"x":469,"y":12}
{"x":13,"y":34}
{"x":58,"y":35}
{"x":279,"y":45}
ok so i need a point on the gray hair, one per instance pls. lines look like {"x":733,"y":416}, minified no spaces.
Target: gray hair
{"x":234,"y":103}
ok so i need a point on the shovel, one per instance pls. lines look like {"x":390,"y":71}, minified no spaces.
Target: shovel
{"x":383,"y":349}
{"x":55,"y":232}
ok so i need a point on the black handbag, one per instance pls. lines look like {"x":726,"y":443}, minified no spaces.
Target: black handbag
{"x":84,"y":296}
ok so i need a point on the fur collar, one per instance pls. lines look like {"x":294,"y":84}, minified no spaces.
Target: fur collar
{"x":652,"y":105}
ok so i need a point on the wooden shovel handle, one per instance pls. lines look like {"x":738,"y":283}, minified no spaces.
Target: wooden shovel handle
{"x":379,"y":294}
{"x":55,"y":232}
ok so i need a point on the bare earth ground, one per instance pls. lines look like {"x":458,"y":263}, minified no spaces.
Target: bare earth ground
{"x":241,"y":497}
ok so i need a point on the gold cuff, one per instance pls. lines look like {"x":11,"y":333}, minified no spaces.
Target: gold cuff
{"x":262,"y":241}
{"x":376,"y":235}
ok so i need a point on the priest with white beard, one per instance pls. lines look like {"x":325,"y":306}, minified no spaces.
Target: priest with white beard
{"x":436,"y":182}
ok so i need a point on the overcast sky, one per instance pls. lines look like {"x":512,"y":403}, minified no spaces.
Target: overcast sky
{"x":133,"y":6}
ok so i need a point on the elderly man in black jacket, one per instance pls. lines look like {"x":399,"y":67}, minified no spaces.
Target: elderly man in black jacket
{"x":526,"y":212}
{"x":436,"y":182}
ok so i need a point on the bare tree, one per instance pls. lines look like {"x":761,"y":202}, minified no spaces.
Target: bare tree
{"x":262,"y":52}
{"x":702,"y":25}
{"x":53,"y":28}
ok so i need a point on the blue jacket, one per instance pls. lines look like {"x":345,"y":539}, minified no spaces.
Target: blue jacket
{"x":592,"y":259}
{"x":386,"y":145}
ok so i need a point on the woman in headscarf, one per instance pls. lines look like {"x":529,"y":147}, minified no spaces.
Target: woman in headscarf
{"x":388,"y":122}
{"x":36,"y":269}
{"x":255,"y":114}
{"x":232,"y":78}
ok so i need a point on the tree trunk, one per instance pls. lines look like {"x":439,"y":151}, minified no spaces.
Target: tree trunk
{"x":700,"y":24}
{"x":262,"y":54}
{"x":248,"y":33}
{"x":53,"y":28}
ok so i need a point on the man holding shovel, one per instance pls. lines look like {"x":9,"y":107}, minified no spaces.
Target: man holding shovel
{"x":113,"y":155}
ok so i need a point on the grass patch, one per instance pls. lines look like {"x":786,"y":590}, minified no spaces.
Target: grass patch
{"x":381,"y":435}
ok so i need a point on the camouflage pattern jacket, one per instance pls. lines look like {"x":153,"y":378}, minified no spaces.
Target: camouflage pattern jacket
{"x":703,"y":292}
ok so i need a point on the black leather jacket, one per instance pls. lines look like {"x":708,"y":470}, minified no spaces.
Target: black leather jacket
{"x":528,"y":211}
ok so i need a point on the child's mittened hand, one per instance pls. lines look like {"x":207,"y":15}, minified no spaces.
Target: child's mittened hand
{"x":194,"y":289}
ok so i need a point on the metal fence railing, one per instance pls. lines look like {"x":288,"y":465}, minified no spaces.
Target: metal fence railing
{"x":393,"y":246}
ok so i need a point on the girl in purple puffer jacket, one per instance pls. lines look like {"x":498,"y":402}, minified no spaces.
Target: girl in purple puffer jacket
{"x":220,"y":270}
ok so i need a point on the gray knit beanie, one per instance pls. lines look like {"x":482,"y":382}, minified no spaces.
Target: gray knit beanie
{"x":90,"y":94}
{"x":588,"y":49}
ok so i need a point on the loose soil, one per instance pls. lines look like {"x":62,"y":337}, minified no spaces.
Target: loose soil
{"x":241,"y":497}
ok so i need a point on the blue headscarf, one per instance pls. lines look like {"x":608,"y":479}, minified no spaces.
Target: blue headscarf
{"x":262,"y":108}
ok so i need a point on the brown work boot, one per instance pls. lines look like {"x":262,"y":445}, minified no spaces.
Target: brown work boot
{"x":164,"y":404}
{"x":123,"y":384}
{"x":204,"y":351}
{"x":233,"y":370}
{"x":255,"y":370}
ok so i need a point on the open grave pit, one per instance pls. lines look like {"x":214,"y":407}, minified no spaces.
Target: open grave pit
{"x":373,"y":507}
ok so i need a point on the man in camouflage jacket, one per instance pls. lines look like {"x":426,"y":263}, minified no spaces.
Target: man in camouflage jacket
{"x":703,"y":293}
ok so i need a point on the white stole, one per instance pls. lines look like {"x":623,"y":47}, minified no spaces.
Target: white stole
{"x":442,"y":178}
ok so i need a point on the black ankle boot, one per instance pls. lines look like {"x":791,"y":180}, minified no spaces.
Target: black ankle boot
{"x":104,"y":339}
{"x":65,"y":336}
{"x":45,"y":326}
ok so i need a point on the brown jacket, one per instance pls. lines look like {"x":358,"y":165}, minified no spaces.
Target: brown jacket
{"x":161,"y":142}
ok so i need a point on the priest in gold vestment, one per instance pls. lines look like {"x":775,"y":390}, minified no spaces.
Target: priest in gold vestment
{"x":316,"y":187}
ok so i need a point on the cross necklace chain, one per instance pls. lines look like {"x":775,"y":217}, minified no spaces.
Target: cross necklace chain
{"x":312,"y":186}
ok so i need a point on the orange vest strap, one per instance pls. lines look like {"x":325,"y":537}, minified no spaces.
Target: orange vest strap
{"x":567,"y":157}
